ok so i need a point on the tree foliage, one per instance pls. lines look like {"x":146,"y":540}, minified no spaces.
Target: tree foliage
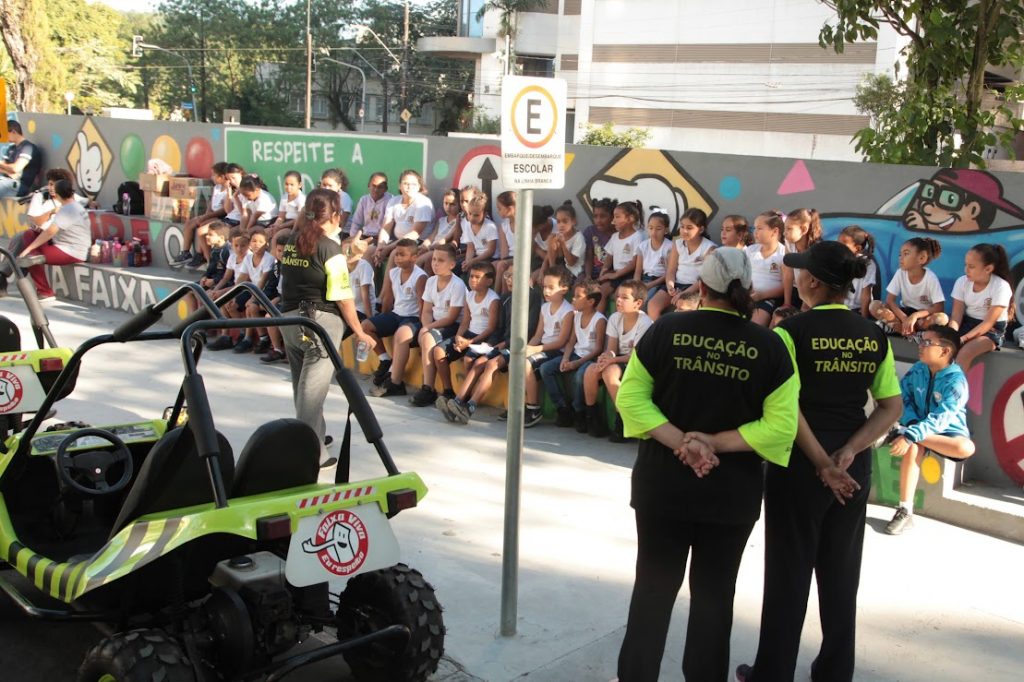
{"x":508,"y":21}
{"x":935,"y":116}
{"x":606,"y":136}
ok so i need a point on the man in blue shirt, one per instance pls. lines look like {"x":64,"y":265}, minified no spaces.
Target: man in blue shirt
{"x":20,"y":165}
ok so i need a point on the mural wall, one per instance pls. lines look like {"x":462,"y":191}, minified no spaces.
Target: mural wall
{"x":894,"y":203}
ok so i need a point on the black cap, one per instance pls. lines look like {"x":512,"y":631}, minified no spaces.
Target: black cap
{"x":827,"y":261}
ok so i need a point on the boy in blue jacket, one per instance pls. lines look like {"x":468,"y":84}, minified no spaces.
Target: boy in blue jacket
{"x":934,"y":415}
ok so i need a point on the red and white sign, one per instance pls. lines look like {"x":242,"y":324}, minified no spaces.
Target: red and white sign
{"x":341,"y":543}
{"x":11,"y":391}
{"x":1007,"y":423}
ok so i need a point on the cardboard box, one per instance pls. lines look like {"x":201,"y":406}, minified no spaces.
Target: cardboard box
{"x":186,"y":187}
{"x":160,"y":184}
{"x":159,"y":207}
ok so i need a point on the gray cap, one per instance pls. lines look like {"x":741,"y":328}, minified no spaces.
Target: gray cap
{"x":722,"y":266}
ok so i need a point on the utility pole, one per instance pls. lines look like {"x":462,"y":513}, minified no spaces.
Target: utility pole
{"x":309,"y":71}
{"x":405,"y":70}
{"x":202,"y":63}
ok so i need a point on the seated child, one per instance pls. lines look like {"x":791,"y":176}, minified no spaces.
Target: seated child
{"x":479,"y":233}
{"x":549,"y":340}
{"x":259,"y":209}
{"x":914,"y":298}
{"x":982,"y":302}
{"x":625,"y":327}
{"x":481,"y":367}
{"x":270,"y":337}
{"x":654,"y":252}
{"x":276,"y":352}
{"x":400,"y":301}
{"x":781,"y":314}
{"x":256,"y":268}
{"x":232,"y":270}
{"x":292,"y":202}
{"x":586,"y":342}
{"x":444,"y":297}
{"x":736,"y":232}
{"x":566,"y":245}
{"x":194,"y":230}
{"x":934,"y":415}
{"x":217,"y":241}
{"x":479,"y":323}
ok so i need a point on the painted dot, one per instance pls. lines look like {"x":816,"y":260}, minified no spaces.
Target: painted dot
{"x":730,"y":187}
{"x":31,"y":126}
{"x":931,"y":470}
{"x":215,"y":134}
{"x":183,"y":310}
{"x":440,"y":169}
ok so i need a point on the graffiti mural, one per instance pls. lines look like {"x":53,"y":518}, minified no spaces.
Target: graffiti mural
{"x":103,"y":287}
{"x":90,"y":159}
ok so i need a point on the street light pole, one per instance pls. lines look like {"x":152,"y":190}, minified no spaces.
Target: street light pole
{"x":191,"y":81}
{"x":398,"y":62}
{"x":362,"y":102}
{"x":309,"y":71}
{"x":404,"y":76}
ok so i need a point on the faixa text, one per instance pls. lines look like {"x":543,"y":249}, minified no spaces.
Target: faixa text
{"x":730,"y":348}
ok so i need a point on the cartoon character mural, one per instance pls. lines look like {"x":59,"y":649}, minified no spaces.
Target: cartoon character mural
{"x":650,"y":176}
{"x":90,"y":158}
{"x":959,"y":207}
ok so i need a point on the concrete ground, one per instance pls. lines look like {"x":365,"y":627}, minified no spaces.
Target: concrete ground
{"x":939,"y":603}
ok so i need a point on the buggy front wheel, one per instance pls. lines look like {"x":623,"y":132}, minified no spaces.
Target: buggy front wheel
{"x":136,"y":656}
{"x":398,"y":595}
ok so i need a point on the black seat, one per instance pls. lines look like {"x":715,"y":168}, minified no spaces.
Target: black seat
{"x":281,"y":454}
{"x":173,"y":476}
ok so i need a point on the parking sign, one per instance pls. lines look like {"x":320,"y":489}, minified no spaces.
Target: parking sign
{"x":533,"y":132}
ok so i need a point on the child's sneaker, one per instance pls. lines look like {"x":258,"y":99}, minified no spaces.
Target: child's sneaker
{"x":423,"y":397}
{"x":565,"y":417}
{"x":262,"y":346}
{"x":273,"y":355}
{"x":503,"y":416}
{"x":383,"y":370}
{"x":461,"y":411}
{"x":222,"y":342}
{"x":532,"y":417}
{"x":901,"y":521}
{"x":243,"y":346}
{"x":442,"y":403}
{"x":388,"y":388}
{"x":197,"y":262}
{"x":181,"y":259}
{"x":581,"y":422}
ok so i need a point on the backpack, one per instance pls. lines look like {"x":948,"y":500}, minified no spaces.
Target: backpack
{"x":135,"y":198}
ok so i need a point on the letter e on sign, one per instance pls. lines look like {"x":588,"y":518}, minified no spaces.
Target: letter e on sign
{"x":533,"y":132}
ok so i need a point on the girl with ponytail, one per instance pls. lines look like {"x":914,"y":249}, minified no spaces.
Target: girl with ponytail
{"x":915,"y":300}
{"x":982,"y":302}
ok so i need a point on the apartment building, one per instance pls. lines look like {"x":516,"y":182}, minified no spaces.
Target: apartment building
{"x":725,"y":76}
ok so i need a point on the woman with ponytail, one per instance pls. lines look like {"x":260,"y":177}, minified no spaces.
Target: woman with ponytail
{"x":711,"y":371}
{"x":315,"y":284}
{"x":811,"y":529}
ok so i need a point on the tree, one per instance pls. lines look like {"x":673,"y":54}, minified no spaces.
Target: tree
{"x":508,"y":27}
{"x":936,"y":115}
{"x":607,"y":136}
{"x":25,"y":33}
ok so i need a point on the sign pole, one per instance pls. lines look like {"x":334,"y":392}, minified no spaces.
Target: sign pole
{"x":516,"y":412}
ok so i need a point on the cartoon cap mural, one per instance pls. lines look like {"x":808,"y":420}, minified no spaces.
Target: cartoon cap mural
{"x":959,"y":201}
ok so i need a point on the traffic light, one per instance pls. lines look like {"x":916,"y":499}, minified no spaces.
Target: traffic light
{"x":136,"y":46}
{"x":192,"y":88}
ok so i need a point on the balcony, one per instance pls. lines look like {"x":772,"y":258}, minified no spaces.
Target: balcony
{"x":456,"y":47}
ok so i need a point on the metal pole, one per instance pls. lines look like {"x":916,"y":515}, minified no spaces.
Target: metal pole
{"x":192,"y":90}
{"x":309,"y":71}
{"x":405,"y":77}
{"x":362,"y":105}
{"x":516,"y":405}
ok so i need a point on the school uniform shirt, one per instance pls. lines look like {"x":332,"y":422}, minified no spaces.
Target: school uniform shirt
{"x":510,"y":236}
{"x":369,"y":215}
{"x":553,"y":319}
{"x":688,"y":265}
{"x":577,"y":247}
{"x":598,"y":240}
{"x":708,"y":370}
{"x":480,"y":311}
{"x":977,"y":303}
{"x":488,"y":233}
{"x":264,"y":204}
{"x":254,"y":270}
{"x":235,"y":213}
{"x":541,"y":242}
{"x":918,"y":296}
{"x":362,"y":275}
{"x":219,"y":256}
{"x":586,"y":337}
{"x":765,"y":271}
{"x":234,"y":263}
{"x":217,"y":198}
{"x":407,"y":304}
{"x":321,"y":276}
{"x":623,"y":249}
{"x":627,"y":338}
{"x":445,"y":228}
{"x":419,"y":210}
{"x":290,"y":208}
{"x":443,"y":300}
{"x":934,"y":405}
{"x":655,"y":260}
{"x":860,"y":284}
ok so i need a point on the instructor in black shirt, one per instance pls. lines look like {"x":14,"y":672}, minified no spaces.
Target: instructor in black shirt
{"x":713,"y":371}
{"x":315,"y":284}
{"x":841,"y":357}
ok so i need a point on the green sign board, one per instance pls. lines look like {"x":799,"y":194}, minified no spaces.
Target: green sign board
{"x":272,"y":153}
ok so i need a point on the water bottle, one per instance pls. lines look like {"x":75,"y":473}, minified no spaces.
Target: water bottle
{"x":362,"y":351}
{"x":105,"y":255}
{"x":127,"y":257}
{"x":94,"y":252}
{"x":115,"y":252}
{"x":126,"y":204}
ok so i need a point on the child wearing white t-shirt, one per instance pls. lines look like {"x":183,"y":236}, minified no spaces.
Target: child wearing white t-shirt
{"x":690,"y":248}
{"x":232,"y":274}
{"x":982,"y":300}
{"x":292,"y":202}
{"x":566,"y":245}
{"x":258,"y":205}
{"x":194,"y":230}
{"x":655,"y":251}
{"x":915,"y":299}
{"x":621,"y":250}
{"x":444,"y":297}
{"x":765,"y":256}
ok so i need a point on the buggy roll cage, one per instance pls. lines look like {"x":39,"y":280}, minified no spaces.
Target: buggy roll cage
{"x":191,"y":331}
{"x":40,"y":325}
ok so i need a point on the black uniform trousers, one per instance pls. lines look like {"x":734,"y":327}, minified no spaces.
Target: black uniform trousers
{"x":807,"y":530}
{"x":664,"y":540}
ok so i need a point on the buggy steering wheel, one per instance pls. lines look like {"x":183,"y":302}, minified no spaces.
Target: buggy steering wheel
{"x":86,"y":470}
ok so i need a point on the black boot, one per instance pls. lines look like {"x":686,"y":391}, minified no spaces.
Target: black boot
{"x":565,"y":417}
{"x":581,"y":422}
{"x":617,"y":436}
{"x":596,"y":422}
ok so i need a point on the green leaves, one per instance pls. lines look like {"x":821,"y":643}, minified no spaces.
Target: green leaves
{"x":607,"y":136}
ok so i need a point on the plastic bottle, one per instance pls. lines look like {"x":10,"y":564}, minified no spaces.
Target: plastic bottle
{"x":126,"y":204}
{"x":145,"y":254}
{"x":94,"y":252}
{"x":127,"y":259}
{"x":362,"y":351}
{"x":115,"y":252}
{"x":105,"y":255}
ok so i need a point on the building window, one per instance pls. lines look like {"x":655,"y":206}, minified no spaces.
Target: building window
{"x":468,"y":24}
{"x":541,"y":67}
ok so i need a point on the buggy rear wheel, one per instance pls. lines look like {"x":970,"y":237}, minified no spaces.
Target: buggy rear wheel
{"x":398,"y":595}
{"x":136,"y":656}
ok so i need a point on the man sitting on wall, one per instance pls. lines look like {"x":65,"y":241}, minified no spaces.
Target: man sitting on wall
{"x":20,"y":164}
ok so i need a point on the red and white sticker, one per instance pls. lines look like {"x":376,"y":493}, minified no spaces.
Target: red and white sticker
{"x":11,"y":391}
{"x":349,"y":494}
{"x":341,"y":543}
